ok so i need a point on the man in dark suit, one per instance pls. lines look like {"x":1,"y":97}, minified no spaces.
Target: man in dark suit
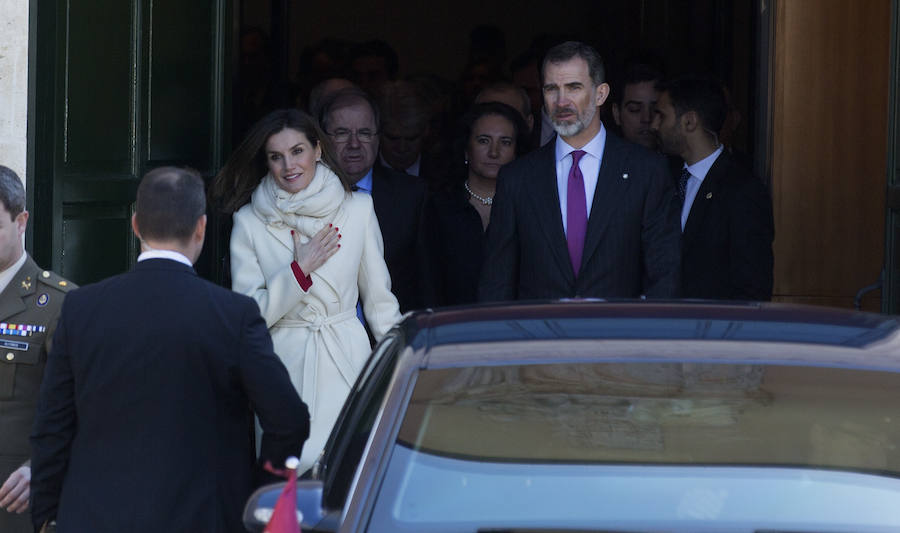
{"x":30,"y":301}
{"x":588,"y":215}
{"x":726,"y":214}
{"x":350,"y":119}
{"x":145,"y":411}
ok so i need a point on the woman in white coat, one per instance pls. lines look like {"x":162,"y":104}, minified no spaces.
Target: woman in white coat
{"x":307,"y":249}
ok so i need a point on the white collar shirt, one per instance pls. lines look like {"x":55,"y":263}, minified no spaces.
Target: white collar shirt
{"x":165,"y":254}
{"x":698,"y":171}
{"x":590,"y":170}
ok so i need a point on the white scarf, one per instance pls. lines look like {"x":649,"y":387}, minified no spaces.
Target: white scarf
{"x":319,"y":201}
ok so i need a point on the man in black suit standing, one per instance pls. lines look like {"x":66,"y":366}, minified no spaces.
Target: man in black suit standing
{"x":588,"y":215}
{"x":144,"y":416}
{"x":726,"y":214}
{"x":351,"y":120}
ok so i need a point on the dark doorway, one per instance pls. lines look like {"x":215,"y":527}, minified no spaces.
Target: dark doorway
{"x":701,"y":36}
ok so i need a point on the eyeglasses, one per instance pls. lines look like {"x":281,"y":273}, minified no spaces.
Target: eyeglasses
{"x":342,"y":135}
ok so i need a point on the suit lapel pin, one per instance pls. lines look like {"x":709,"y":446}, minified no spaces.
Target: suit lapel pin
{"x":625,"y":176}
{"x":43,"y":299}
{"x":709,"y":196}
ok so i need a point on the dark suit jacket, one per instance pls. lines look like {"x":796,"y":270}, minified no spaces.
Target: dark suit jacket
{"x":632,"y":241}
{"x":144,"y":414}
{"x":399,"y":201}
{"x":727,"y":242}
{"x":33,"y":297}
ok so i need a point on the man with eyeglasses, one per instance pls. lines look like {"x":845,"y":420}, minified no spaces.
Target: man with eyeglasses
{"x":350,"y":120}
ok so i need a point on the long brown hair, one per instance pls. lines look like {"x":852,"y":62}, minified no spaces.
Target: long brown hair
{"x":243,"y":171}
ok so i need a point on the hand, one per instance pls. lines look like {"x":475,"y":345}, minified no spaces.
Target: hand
{"x":15,"y":491}
{"x":317,"y":250}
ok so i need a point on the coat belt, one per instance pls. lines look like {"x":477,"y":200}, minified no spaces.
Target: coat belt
{"x":323,"y":333}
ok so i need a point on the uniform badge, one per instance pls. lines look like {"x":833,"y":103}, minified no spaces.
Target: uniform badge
{"x":26,"y":284}
{"x":43,"y":299}
{"x":709,"y":196}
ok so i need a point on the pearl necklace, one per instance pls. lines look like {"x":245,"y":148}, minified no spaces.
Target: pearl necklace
{"x":485,"y":200}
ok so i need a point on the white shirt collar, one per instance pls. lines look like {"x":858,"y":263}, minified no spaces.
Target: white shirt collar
{"x":701,"y":168}
{"x":7,"y":275}
{"x":594,"y":147}
{"x":165,"y":254}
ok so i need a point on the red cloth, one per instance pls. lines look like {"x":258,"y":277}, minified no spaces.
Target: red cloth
{"x":284,"y":517}
{"x":302,"y":278}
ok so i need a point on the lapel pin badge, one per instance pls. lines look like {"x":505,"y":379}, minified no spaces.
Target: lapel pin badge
{"x":26,"y":284}
{"x":625,"y":176}
{"x":43,"y":299}
{"x":709,"y":196}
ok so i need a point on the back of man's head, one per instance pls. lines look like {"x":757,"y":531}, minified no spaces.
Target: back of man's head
{"x":170,"y":201}
{"x":700,"y":94}
{"x":12,"y":193}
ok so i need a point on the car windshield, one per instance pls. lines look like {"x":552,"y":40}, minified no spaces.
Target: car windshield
{"x":645,"y":445}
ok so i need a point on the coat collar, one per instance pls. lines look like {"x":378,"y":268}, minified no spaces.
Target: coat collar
{"x":544,"y":198}
{"x":708,"y":193}
{"x":612,"y":183}
{"x":23,"y":284}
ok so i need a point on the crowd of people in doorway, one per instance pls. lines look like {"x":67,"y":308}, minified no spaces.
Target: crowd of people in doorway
{"x":347,"y":213}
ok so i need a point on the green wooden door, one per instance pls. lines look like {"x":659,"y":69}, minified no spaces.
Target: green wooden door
{"x":118,"y":87}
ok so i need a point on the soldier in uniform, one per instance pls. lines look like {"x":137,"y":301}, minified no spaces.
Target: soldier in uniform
{"x":30,"y":302}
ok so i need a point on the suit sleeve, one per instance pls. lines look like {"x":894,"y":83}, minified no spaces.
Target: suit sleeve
{"x":283,"y":416}
{"x":54,"y":428}
{"x":276,"y":294}
{"x":500,"y":272}
{"x":751,"y":232}
{"x":379,"y":303}
{"x":661,"y":235}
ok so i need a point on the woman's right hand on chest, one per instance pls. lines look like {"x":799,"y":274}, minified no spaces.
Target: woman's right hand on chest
{"x":313,"y":253}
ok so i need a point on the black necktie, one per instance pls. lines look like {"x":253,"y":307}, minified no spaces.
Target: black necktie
{"x":682,"y":184}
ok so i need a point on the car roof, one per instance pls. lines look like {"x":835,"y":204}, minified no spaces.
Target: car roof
{"x":689,"y":330}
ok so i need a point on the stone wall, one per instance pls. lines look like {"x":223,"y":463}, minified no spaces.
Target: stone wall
{"x":14,"y":84}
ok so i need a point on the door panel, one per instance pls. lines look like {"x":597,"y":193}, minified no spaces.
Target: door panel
{"x":98,"y":87}
{"x":180,"y":122}
{"x":136,"y":84}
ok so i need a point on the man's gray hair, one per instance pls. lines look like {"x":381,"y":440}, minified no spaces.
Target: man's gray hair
{"x":12,"y":192}
{"x":345,"y":98}
{"x":571,"y":49}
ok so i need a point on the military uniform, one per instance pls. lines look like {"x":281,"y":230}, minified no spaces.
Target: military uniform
{"x":29,"y":308}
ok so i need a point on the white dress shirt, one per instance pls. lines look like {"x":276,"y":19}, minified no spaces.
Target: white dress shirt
{"x":165,"y":254}
{"x":698,"y":173}
{"x":590,"y":170}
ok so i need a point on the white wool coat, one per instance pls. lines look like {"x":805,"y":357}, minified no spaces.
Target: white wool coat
{"x":317,"y":333}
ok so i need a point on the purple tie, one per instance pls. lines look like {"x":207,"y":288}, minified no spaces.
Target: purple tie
{"x":576,"y":212}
